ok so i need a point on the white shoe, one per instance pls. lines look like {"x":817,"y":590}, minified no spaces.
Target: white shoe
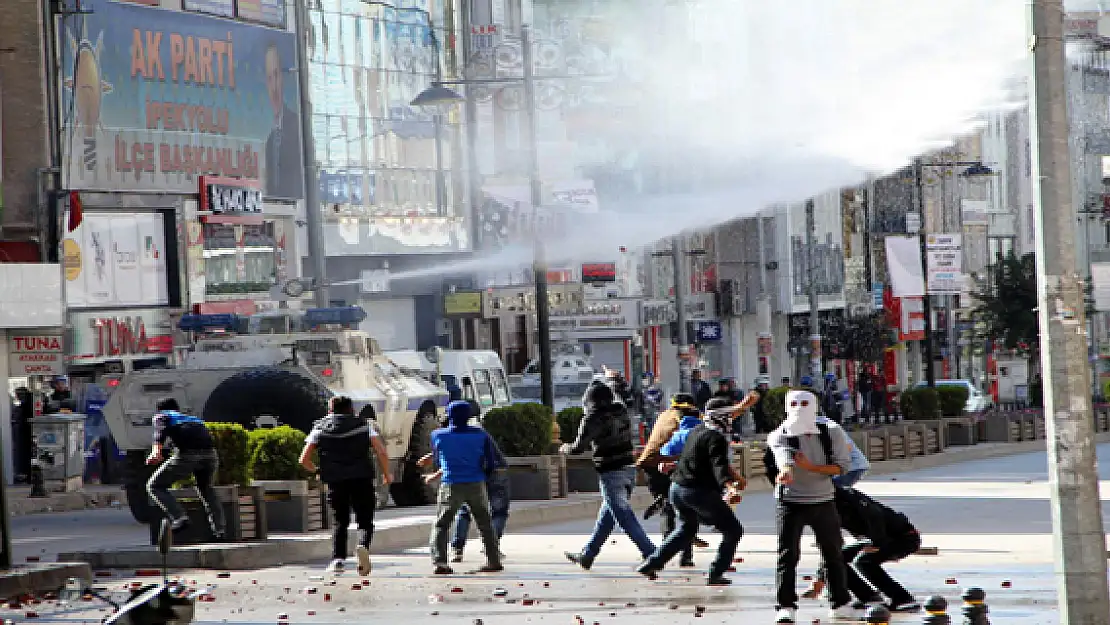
{"x":786,"y":615}
{"x":844,"y":613}
{"x":336,"y":566}
{"x":363,"y":555}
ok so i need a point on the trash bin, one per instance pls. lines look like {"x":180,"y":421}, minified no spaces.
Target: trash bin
{"x":60,"y":442}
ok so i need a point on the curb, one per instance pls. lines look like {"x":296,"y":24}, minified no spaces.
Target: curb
{"x":31,"y":580}
{"x":288,"y":549}
{"x":64,"y":502}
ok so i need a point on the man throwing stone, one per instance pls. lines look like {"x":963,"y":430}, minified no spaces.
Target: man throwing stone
{"x":194,"y":456}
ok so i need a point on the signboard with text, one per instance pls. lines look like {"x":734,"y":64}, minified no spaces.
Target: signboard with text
{"x":117,"y":259}
{"x":599,"y":273}
{"x":154,"y":99}
{"x":944,"y":254}
{"x":31,"y":354}
{"x":269,"y":12}
{"x":135,"y":333}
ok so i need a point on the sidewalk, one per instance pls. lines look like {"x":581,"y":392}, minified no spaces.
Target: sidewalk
{"x":20,"y":502}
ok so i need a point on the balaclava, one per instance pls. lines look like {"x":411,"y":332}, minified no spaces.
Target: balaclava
{"x":801,"y":413}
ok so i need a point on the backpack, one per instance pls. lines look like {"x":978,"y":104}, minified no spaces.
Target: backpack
{"x":769,"y":457}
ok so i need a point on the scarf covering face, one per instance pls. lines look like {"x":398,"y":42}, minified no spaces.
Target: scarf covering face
{"x":801,"y":413}
{"x":720,"y":419}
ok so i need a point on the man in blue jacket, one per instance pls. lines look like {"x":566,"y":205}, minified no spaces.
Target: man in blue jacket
{"x":465,"y":455}
{"x":194,"y":456}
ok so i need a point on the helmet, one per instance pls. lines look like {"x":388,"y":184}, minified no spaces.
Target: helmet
{"x":807,"y":380}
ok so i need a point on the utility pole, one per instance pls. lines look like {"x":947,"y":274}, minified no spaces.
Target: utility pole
{"x":683,"y":338}
{"x":1077,"y":530}
{"x":930,"y":374}
{"x":814,"y":304}
{"x":539,"y":260}
{"x":313,"y":212}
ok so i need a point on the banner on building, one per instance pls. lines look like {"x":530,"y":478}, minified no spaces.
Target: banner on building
{"x":903,"y":261}
{"x":944,"y":254}
{"x":116,"y":260}
{"x":154,"y":99}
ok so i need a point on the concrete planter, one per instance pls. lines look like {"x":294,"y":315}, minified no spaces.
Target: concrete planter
{"x":244,"y":515}
{"x":1039,"y":427}
{"x":293,"y":505}
{"x":959,"y":431}
{"x":1102,"y":420}
{"x":534,"y":478}
{"x":916,"y":440}
{"x":1003,"y":427}
{"x":581,"y":475}
{"x":896,"y":448}
{"x":1028,"y":426}
{"x":935,"y":435}
{"x":875,"y":445}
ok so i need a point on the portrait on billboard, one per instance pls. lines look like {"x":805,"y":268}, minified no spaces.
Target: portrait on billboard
{"x":152,"y":100}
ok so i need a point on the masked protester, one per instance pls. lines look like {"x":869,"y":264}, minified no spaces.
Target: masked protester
{"x":703,"y":488}
{"x":807,"y":455}
{"x":606,"y":429}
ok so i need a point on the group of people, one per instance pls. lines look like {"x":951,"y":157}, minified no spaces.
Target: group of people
{"x":687,"y":460}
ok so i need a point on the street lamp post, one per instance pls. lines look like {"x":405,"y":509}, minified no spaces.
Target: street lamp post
{"x":313,"y":212}
{"x":438,"y":95}
{"x":974,"y":168}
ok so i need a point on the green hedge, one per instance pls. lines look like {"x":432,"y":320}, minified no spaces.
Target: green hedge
{"x":921,"y":403}
{"x":521,"y":429}
{"x":953,"y":399}
{"x":231,"y":444}
{"x":275,"y":454}
{"x":569,"y":419}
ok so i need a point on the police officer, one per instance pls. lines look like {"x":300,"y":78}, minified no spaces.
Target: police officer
{"x":194,"y":456}
{"x":345,"y":441}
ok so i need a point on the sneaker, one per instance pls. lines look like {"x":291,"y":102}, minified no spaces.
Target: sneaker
{"x":580,"y":560}
{"x":843,"y":613}
{"x":443,"y":569}
{"x":786,"y":615}
{"x":655,"y":507}
{"x":687,"y":564}
{"x":718,"y":581}
{"x":363,"y":555}
{"x":457,"y":556}
{"x":337,"y":565}
{"x":648,"y":571}
{"x":179,"y":524}
{"x":863,"y":605}
{"x":909,"y":606}
{"x":492,"y":568}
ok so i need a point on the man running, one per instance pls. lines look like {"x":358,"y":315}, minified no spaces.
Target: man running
{"x":194,"y":456}
{"x":345,"y":441}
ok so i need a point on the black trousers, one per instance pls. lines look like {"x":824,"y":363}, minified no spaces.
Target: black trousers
{"x":660,"y":486}
{"x":823,"y":519}
{"x":347,"y":496}
{"x":866,"y":575}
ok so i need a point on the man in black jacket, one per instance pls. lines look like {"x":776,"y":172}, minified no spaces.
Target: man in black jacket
{"x":345,"y":441}
{"x":194,"y":455}
{"x":607,"y":430}
{"x":703,"y":490}
{"x":887,"y":536}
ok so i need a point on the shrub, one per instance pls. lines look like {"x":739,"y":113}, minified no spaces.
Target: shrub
{"x":920,"y":403}
{"x":774,"y":406}
{"x":521,"y":429}
{"x":953,"y":399}
{"x":569,"y":419}
{"x":275,"y":454}
{"x":232,"y":446}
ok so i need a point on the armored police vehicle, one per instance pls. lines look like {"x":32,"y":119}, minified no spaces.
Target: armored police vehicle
{"x":280,"y":368}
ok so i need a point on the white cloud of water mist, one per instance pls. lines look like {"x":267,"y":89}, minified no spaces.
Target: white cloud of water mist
{"x":778,"y":100}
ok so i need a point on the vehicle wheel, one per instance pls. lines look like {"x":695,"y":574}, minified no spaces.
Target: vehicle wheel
{"x":136,"y":475}
{"x":411,"y":490}
{"x":267,"y":397}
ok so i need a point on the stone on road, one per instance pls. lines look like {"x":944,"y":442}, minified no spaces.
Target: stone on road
{"x":988,"y":519}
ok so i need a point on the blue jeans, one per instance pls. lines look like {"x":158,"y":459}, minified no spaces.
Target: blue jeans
{"x":849,"y":479}
{"x":616,"y":509}
{"x":696,"y":506}
{"x":497,"y":488}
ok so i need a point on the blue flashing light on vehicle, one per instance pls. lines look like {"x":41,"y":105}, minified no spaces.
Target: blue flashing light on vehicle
{"x":342,"y":315}
{"x":209,"y":323}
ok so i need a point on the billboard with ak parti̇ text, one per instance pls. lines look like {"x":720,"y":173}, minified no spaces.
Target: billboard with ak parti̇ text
{"x":154,"y":99}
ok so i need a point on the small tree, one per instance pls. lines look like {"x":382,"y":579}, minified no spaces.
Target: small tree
{"x":231,"y":441}
{"x":569,"y":420}
{"x":521,"y":429}
{"x":275,"y":454}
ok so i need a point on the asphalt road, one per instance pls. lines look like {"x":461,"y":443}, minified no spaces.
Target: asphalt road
{"x":989,"y":520}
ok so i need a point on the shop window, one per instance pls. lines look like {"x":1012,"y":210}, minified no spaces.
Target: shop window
{"x":239,"y":258}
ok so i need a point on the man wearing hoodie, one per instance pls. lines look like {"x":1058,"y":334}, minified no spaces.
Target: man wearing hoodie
{"x":345,"y":442}
{"x":465,"y":454}
{"x":704,"y":487}
{"x":607,"y":430}
{"x":805,"y":496}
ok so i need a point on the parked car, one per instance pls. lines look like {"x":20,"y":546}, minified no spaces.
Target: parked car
{"x":977,"y":401}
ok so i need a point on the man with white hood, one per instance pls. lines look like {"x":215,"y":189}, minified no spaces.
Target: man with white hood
{"x":808,"y":455}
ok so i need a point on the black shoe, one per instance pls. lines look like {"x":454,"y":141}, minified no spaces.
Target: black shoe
{"x":718,"y":581}
{"x":458,"y":556}
{"x":580,"y":560}
{"x":910,"y":606}
{"x":443,"y":569}
{"x":491,"y":568}
{"x":655,"y":507}
{"x":648,"y":571}
{"x":863,"y":605}
{"x":687,"y":564}
{"x":179,"y":524}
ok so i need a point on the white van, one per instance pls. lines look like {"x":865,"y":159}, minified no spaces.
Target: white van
{"x":466,"y":374}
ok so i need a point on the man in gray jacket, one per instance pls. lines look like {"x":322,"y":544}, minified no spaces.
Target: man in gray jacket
{"x":808,"y":455}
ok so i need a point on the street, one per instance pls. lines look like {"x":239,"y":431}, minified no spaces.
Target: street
{"x":989,"y":519}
